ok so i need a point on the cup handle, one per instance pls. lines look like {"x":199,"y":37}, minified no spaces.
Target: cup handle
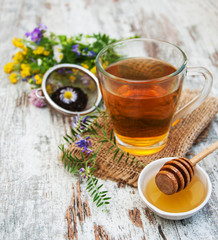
{"x":196,"y":101}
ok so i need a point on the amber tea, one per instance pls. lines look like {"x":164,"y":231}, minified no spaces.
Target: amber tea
{"x":141,"y":113}
{"x":141,"y":81}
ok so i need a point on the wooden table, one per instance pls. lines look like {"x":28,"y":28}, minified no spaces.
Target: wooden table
{"x":39,"y":199}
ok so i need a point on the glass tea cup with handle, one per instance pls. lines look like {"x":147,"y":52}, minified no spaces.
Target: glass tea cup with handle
{"x":141,"y":82}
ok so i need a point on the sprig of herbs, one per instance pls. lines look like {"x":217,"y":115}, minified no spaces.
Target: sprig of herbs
{"x":83,"y":130}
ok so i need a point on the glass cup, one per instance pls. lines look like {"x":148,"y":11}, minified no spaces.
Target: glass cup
{"x":141,"y":82}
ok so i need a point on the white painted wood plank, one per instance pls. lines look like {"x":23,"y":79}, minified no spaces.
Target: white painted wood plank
{"x":35,"y":190}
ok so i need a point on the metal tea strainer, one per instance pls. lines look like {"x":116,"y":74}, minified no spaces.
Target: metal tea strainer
{"x":70,"y":89}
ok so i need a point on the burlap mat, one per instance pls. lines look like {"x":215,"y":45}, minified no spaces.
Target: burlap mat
{"x":180,"y":139}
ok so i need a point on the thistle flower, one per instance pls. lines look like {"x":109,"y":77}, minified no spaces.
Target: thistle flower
{"x":40,"y":103}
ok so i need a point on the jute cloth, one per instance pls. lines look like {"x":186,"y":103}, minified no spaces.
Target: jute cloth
{"x":180,"y":139}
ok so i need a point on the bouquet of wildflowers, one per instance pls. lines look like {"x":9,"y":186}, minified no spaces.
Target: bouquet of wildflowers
{"x":39,"y":50}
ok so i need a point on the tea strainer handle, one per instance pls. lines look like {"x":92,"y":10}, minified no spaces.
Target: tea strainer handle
{"x":38,"y":95}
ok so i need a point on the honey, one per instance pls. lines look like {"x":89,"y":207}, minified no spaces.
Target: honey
{"x":189,"y":198}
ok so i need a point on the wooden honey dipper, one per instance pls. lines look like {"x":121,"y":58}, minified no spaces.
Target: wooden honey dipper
{"x":176,"y":174}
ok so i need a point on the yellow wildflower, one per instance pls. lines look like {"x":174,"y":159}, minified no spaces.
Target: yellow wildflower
{"x":93,"y":70}
{"x":24,"y":51}
{"x":46,"y":53}
{"x":85,"y":65}
{"x":23,"y":66}
{"x":38,"y":79}
{"x":18,"y":57}
{"x":13,"y":78}
{"x":38,"y":50}
{"x":17,"y":42}
{"x":72,"y":78}
{"x":49,"y":89}
{"x":8,"y":68}
{"x":25,"y":72}
{"x":92,"y":86}
{"x":105,"y":64}
{"x":75,"y":71}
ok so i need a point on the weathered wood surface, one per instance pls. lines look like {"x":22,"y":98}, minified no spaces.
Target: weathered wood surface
{"x":39,"y":199}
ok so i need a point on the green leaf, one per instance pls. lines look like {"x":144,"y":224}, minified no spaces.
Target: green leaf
{"x":90,"y":189}
{"x":121,"y":156}
{"x":127,"y":159}
{"x":107,"y":198}
{"x":69,"y":137}
{"x":96,"y":197}
{"x":93,"y":193}
{"x":82,"y":155}
{"x":100,"y":186}
{"x":110,"y":148}
{"x":66,"y":139}
{"x":102,"y":141}
{"x":103,"y":131}
{"x":111,"y":136}
{"x":99,"y":200}
{"x":116,"y":152}
{"x":103,"y":192}
{"x":100,"y":204}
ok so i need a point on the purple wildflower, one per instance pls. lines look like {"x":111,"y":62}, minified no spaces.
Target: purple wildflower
{"x":91,"y":53}
{"x":76,"y":50}
{"x":36,"y":101}
{"x":43,"y":27}
{"x":84,"y":144}
{"x":75,"y":122}
{"x":36,"y":34}
{"x":81,"y":170}
{"x":84,"y":176}
{"x":83,"y":121}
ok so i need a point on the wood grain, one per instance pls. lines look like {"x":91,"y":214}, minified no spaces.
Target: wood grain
{"x":39,"y":199}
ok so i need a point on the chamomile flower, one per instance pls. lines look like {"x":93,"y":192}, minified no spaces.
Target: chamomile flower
{"x":68,"y":95}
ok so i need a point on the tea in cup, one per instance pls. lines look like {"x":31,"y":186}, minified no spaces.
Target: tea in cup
{"x":141,"y":82}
